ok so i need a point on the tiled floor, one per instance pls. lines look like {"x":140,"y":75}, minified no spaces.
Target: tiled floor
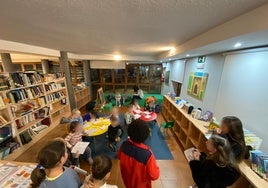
{"x":173,"y":173}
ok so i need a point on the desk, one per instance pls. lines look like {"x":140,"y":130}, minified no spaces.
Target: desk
{"x":98,"y":127}
{"x":146,"y":116}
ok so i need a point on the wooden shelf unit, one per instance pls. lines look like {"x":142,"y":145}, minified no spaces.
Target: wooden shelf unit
{"x":82,"y":97}
{"x":56,"y":112}
{"x":191,"y":132}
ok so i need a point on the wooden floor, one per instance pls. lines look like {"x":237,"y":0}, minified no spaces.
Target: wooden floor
{"x":173,"y":173}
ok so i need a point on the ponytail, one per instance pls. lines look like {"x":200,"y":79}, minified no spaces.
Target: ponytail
{"x":37,"y":176}
{"x":48,"y":158}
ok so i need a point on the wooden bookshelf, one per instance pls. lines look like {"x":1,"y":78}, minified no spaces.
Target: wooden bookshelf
{"x":82,"y":97}
{"x":191,"y":132}
{"x":47,"y":105}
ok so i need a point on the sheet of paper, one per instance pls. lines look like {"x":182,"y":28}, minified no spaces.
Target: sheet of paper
{"x":91,"y":131}
{"x":137,"y":116}
{"x":189,"y":154}
{"x":147,"y":113}
{"x":103,"y":127}
{"x":147,"y":116}
{"x":80,"y":147}
{"x":137,"y":111}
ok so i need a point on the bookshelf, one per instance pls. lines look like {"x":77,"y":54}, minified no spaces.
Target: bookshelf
{"x":31,"y":105}
{"x":191,"y":132}
{"x":82,"y":96}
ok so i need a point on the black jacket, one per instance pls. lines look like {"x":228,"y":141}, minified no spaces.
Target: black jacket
{"x":207,"y":174}
{"x":236,"y":147}
{"x":114,"y":132}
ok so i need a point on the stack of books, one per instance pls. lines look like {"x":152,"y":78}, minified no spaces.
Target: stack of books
{"x":24,"y":120}
{"x":259,"y":163}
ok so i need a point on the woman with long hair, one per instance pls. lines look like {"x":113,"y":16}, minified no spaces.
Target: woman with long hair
{"x":232,"y":130}
{"x":218,"y":169}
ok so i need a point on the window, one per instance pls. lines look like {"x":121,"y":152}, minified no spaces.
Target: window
{"x":156,"y":74}
{"x":107,"y":75}
{"x":144,"y":74}
{"x":132,"y":71}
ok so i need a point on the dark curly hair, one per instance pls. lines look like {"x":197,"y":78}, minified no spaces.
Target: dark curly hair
{"x":138,"y":131}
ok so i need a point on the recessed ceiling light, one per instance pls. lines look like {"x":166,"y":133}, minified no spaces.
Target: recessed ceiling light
{"x":187,"y":55}
{"x":161,"y":61}
{"x":237,"y":45}
{"x":169,"y":59}
{"x":117,"y":57}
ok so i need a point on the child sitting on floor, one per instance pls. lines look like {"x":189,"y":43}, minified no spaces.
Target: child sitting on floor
{"x":115,"y":112}
{"x":135,"y":103}
{"x":129,"y":116}
{"x":76,"y":116}
{"x":91,"y":116}
{"x":75,"y":136}
{"x":150,"y":104}
{"x":115,"y":132}
{"x":118,"y":99}
{"x":101,"y":171}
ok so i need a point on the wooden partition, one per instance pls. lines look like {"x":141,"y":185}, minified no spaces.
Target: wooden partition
{"x":191,"y":132}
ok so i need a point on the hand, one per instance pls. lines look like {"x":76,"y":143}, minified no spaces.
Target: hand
{"x":196,"y":155}
{"x":89,"y":183}
{"x":77,"y":154}
{"x":117,"y":139}
{"x":218,"y":131}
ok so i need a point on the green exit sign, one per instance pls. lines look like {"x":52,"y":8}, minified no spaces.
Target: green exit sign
{"x":201,"y":59}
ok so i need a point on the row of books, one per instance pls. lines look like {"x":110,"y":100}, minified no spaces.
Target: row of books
{"x":20,"y":79}
{"x":17,"y":95}
{"x":53,"y":86}
{"x":51,"y":77}
{"x":55,"y":96}
{"x":24,"y":108}
{"x":4,"y":83}
{"x":259,"y":163}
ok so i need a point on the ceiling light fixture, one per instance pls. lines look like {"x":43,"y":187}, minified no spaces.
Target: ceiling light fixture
{"x":117,"y":57}
{"x":172,"y":50}
{"x":187,"y":55}
{"x":237,"y":45}
{"x":161,"y":61}
{"x":169,"y":59}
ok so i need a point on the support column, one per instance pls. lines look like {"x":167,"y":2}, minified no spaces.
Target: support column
{"x":86,"y":69}
{"x":45,"y":66}
{"x":8,"y":66}
{"x":64,"y":67}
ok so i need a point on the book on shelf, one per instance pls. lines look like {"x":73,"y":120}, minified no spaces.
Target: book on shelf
{"x":4,"y":83}
{"x":26,"y":136}
{"x":38,"y":128}
{"x":2,"y":103}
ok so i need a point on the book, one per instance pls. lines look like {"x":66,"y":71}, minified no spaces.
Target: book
{"x":189,"y":154}
{"x":80,"y":147}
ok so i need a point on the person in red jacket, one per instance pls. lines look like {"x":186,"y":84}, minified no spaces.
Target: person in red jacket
{"x":137,"y":162}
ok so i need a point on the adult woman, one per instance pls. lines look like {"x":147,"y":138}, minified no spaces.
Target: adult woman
{"x":218,"y":169}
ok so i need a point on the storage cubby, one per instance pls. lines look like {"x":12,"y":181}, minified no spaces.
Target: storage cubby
{"x":191,"y":133}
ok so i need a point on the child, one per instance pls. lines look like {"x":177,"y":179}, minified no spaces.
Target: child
{"x":137,"y":162}
{"x":150,"y":104}
{"x":219,"y":169}
{"x":75,"y":136}
{"x":76,"y":116}
{"x":91,"y":116}
{"x":118,"y":99}
{"x":138,"y":93}
{"x":232,"y":130}
{"x":129,"y":116}
{"x":135,"y":104}
{"x":115,"y":112}
{"x":50,"y":171}
{"x":115,"y":132}
{"x":101,"y":171}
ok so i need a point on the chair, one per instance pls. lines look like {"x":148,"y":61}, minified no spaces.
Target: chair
{"x":166,"y":126}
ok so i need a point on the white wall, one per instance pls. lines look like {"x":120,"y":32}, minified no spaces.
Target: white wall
{"x":243,"y":91}
{"x":176,"y":69}
{"x":214,"y":67}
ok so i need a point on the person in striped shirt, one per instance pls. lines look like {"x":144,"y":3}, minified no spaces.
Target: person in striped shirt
{"x":75,"y":136}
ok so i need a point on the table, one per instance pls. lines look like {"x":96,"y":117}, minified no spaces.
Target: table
{"x":145,"y":115}
{"x":98,"y":127}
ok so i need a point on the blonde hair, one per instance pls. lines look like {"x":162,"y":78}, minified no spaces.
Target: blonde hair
{"x":76,"y":111}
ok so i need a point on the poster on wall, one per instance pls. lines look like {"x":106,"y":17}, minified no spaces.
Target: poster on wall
{"x":197,"y":84}
{"x":167,"y":78}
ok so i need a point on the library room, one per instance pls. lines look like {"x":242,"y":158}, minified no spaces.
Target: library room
{"x":133,"y":94}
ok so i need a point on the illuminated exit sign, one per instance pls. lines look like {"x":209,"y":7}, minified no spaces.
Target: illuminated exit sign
{"x":201,"y":59}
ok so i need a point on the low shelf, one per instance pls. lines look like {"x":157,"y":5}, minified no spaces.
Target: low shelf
{"x":192,"y":133}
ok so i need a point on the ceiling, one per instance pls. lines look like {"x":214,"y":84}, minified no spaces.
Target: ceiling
{"x":127,"y":27}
